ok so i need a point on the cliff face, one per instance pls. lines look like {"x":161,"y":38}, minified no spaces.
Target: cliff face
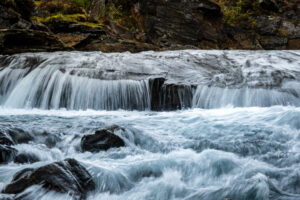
{"x":148,"y":25}
{"x":206,"y":24}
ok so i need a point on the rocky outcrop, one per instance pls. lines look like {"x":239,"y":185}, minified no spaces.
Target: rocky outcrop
{"x":182,"y":22}
{"x":22,"y":40}
{"x":19,"y":34}
{"x":165,"y":96}
{"x":67,"y":176}
{"x":102,"y":140}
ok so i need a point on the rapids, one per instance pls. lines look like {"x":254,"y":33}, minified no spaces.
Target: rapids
{"x":236,"y":136}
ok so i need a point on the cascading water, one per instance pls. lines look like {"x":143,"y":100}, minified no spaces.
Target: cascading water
{"x":125,"y":81}
{"x":233,"y":132}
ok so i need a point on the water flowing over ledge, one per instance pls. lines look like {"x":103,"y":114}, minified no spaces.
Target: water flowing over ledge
{"x":150,"y":80}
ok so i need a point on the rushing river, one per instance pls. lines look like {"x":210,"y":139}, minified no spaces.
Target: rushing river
{"x":238,"y":138}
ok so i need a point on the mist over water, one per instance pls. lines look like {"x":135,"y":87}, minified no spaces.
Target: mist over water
{"x":238,"y":139}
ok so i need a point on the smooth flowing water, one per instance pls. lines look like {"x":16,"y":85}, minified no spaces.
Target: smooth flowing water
{"x":240,"y":138}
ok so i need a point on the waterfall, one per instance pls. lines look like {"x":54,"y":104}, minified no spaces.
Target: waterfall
{"x":216,"y":97}
{"x":150,"y":80}
{"x":49,"y":87}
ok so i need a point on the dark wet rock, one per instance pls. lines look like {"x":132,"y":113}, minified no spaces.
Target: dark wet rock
{"x":166,"y":96}
{"x":22,"y":40}
{"x":67,"y":176}
{"x":273,"y":42}
{"x":267,"y":25}
{"x":175,"y":96}
{"x":102,"y":140}
{"x":23,"y":158}
{"x":269,"y":5}
{"x":156,"y":85}
{"x":4,"y":140}
{"x":20,"y":136}
{"x":7,"y":154}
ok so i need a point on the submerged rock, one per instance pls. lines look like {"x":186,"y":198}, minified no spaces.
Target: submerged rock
{"x":26,"y":158}
{"x":19,"y":136}
{"x":67,"y":176}
{"x":7,"y":154}
{"x":102,"y":140}
{"x":4,"y":140}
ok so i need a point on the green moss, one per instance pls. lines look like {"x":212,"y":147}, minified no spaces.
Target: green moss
{"x":78,"y":18}
{"x":282,"y":32}
{"x":237,"y":13}
{"x":83,"y":3}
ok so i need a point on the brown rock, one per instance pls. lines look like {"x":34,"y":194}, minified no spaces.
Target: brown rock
{"x":294,"y":44}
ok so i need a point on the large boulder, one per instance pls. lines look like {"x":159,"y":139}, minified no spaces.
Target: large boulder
{"x":102,"y":140}
{"x":67,"y":176}
{"x":22,"y":40}
{"x":7,"y":154}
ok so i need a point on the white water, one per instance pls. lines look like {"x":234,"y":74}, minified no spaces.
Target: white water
{"x":245,"y":144}
{"x":114,"y":81}
{"x":239,"y":153}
